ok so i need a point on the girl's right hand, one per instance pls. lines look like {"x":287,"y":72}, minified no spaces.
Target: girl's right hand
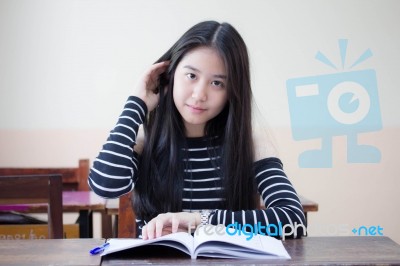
{"x":146,"y":88}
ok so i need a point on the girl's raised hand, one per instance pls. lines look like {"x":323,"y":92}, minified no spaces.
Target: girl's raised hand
{"x":147,"y":85}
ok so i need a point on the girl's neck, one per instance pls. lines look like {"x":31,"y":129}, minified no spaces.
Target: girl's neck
{"x":194,"y":131}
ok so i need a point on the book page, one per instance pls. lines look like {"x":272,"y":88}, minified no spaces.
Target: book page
{"x":217,"y":241}
{"x":182,"y":241}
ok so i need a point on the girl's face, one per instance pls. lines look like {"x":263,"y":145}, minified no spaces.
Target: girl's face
{"x":200,"y":91}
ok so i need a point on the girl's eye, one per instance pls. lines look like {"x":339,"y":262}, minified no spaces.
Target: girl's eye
{"x":218,"y":83}
{"x":191,"y":76}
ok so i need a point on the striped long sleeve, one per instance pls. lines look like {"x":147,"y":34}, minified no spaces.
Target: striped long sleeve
{"x":114,"y":171}
{"x":282,"y":205}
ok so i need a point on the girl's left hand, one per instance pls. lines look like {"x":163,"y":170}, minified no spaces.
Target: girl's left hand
{"x":170,"y":222}
{"x":146,"y":88}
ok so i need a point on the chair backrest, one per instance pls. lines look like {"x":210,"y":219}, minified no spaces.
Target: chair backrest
{"x":73,"y":178}
{"x":126,"y":217}
{"x":28,"y":189}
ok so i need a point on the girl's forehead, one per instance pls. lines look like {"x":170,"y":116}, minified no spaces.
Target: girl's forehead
{"x":204,"y":59}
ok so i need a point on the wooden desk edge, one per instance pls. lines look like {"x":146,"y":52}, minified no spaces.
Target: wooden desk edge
{"x":308,"y":205}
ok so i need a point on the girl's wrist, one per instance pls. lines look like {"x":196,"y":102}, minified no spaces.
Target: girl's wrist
{"x":205,"y":216}
{"x":149,"y":102}
{"x":197,"y":217}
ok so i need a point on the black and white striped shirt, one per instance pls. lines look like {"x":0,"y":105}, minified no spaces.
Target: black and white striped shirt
{"x":114,"y":173}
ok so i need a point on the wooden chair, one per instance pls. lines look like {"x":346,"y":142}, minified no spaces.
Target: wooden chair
{"x":36,"y":189}
{"x":73,"y":178}
{"x":126,"y":217}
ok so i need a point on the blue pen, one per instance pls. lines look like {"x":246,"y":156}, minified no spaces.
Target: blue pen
{"x":99,"y":249}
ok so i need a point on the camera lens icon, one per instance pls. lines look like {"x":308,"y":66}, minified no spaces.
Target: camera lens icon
{"x":340,"y":104}
{"x":348,"y":103}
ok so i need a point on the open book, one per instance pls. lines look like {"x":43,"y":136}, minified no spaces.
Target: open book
{"x":209,"y":243}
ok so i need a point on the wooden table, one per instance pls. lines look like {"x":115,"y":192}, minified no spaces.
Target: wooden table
{"x":352,"y":250}
{"x":308,"y":205}
{"x":83,"y":202}
{"x":49,"y":252}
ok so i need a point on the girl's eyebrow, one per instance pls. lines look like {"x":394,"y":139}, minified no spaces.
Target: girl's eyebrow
{"x":196,"y":70}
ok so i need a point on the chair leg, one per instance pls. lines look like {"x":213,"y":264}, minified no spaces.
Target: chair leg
{"x":85,"y":221}
{"x":106,"y":225}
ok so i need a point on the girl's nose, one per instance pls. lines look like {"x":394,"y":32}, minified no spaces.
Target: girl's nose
{"x":200,"y":93}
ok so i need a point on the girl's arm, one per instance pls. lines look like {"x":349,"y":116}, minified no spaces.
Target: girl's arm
{"x":282,"y":205}
{"x":114,"y":171}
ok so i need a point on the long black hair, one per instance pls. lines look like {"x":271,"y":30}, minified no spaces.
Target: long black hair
{"x":160,"y":184}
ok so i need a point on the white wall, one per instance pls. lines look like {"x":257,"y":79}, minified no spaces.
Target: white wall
{"x":66,"y":68}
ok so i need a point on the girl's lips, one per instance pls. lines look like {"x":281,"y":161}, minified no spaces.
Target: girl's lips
{"x":195,"y":109}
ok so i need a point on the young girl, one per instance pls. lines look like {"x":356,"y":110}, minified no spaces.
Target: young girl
{"x":197,"y":161}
